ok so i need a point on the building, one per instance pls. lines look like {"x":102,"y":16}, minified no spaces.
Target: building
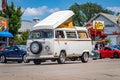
{"x":111,"y":28}
{"x":4,"y":32}
{"x":26,"y":25}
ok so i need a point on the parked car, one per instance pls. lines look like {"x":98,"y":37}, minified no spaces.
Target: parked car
{"x":95,"y":55}
{"x":13,"y":53}
{"x":109,"y":52}
{"x":115,"y":46}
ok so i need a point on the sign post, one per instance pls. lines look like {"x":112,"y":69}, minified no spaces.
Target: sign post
{"x":98,"y":26}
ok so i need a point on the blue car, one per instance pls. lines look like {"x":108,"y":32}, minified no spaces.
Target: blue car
{"x":13,"y":53}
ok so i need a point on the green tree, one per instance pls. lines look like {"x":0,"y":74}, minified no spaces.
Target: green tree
{"x":79,"y":18}
{"x":22,"y":39}
{"x":84,"y":12}
{"x":90,"y":9}
{"x":14,"y":18}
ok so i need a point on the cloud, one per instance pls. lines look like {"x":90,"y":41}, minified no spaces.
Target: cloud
{"x":35,"y":11}
{"x":53,"y":10}
{"x":38,"y":11}
{"x":114,"y":9}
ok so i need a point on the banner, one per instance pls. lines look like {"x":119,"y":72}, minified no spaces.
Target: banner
{"x":98,"y":25}
{"x":4,"y":5}
{"x":3,"y":24}
{"x":0,"y":5}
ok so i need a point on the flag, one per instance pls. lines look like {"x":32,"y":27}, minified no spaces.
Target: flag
{"x":0,"y":5}
{"x":4,"y":5}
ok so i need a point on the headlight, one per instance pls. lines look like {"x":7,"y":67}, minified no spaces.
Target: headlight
{"x":28,"y":49}
{"x":47,"y":48}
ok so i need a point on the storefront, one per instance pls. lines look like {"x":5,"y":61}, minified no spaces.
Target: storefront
{"x":110,"y":26}
{"x":4,"y":34}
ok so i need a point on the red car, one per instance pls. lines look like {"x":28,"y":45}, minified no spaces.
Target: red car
{"x":109,"y":52}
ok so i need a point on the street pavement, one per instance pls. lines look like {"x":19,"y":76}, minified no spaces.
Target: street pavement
{"x":101,"y":69}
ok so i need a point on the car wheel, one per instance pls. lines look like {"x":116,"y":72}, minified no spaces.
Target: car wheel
{"x":36,"y":61}
{"x":19,"y":61}
{"x":73,"y":59}
{"x":100,"y":56}
{"x":62,"y":57}
{"x":25,"y":60}
{"x":85,"y":57}
{"x":94,"y":58}
{"x":116,"y":55}
{"x":3,"y":59}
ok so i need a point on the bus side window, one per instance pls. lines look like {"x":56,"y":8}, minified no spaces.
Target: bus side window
{"x":71,"y":34}
{"x":82,"y":34}
{"x":60,"y":34}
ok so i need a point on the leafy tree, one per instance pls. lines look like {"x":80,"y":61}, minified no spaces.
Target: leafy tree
{"x":90,"y":9}
{"x":79,"y":16}
{"x":23,"y":38}
{"x":14,"y":18}
{"x":117,"y":13}
{"x":84,"y":12}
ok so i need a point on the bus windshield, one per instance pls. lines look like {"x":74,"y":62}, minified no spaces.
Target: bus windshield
{"x":42,"y":33}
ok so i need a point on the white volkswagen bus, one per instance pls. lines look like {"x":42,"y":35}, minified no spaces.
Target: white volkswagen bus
{"x":50,"y":41}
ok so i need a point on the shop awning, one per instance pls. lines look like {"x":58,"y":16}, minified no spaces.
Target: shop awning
{"x":5,"y":34}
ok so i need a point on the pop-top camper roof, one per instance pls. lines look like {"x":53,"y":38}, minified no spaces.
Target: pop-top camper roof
{"x":54,"y":20}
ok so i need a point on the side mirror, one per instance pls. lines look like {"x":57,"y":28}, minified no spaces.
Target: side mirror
{"x":16,"y":49}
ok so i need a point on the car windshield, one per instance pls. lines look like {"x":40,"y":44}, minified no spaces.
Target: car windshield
{"x":42,"y":33}
{"x":22,"y":47}
{"x":7,"y":48}
{"x":115,"y":49}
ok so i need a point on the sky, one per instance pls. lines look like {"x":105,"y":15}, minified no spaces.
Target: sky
{"x":43,"y":8}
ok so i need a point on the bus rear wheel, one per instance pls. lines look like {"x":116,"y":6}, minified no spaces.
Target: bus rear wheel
{"x":36,"y":61}
{"x":85,"y":57}
{"x":62,"y":58}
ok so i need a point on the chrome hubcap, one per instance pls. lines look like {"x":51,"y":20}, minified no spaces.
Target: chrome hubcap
{"x":86,"y":56}
{"x":2,"y":59}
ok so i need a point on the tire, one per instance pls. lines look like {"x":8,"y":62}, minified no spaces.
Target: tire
{"x":62,"y":58}
{"x":100,"y":56}
{"x":36,"y":61}
{"x":94,"y":58}
{"x":3,"y":59}
{"x":24,"y":59}
{"x":85,"y":57}
{"x":116,"y":55}
{"x":35,"y":47}
{"x":53,"y":60}
{"x":73,"y":59}
{"x":19,"y":61}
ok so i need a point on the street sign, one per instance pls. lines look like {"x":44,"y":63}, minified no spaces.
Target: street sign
{"x":98,"y":25}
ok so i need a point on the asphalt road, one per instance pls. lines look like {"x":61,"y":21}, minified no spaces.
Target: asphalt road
{"x":102,"y":69}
